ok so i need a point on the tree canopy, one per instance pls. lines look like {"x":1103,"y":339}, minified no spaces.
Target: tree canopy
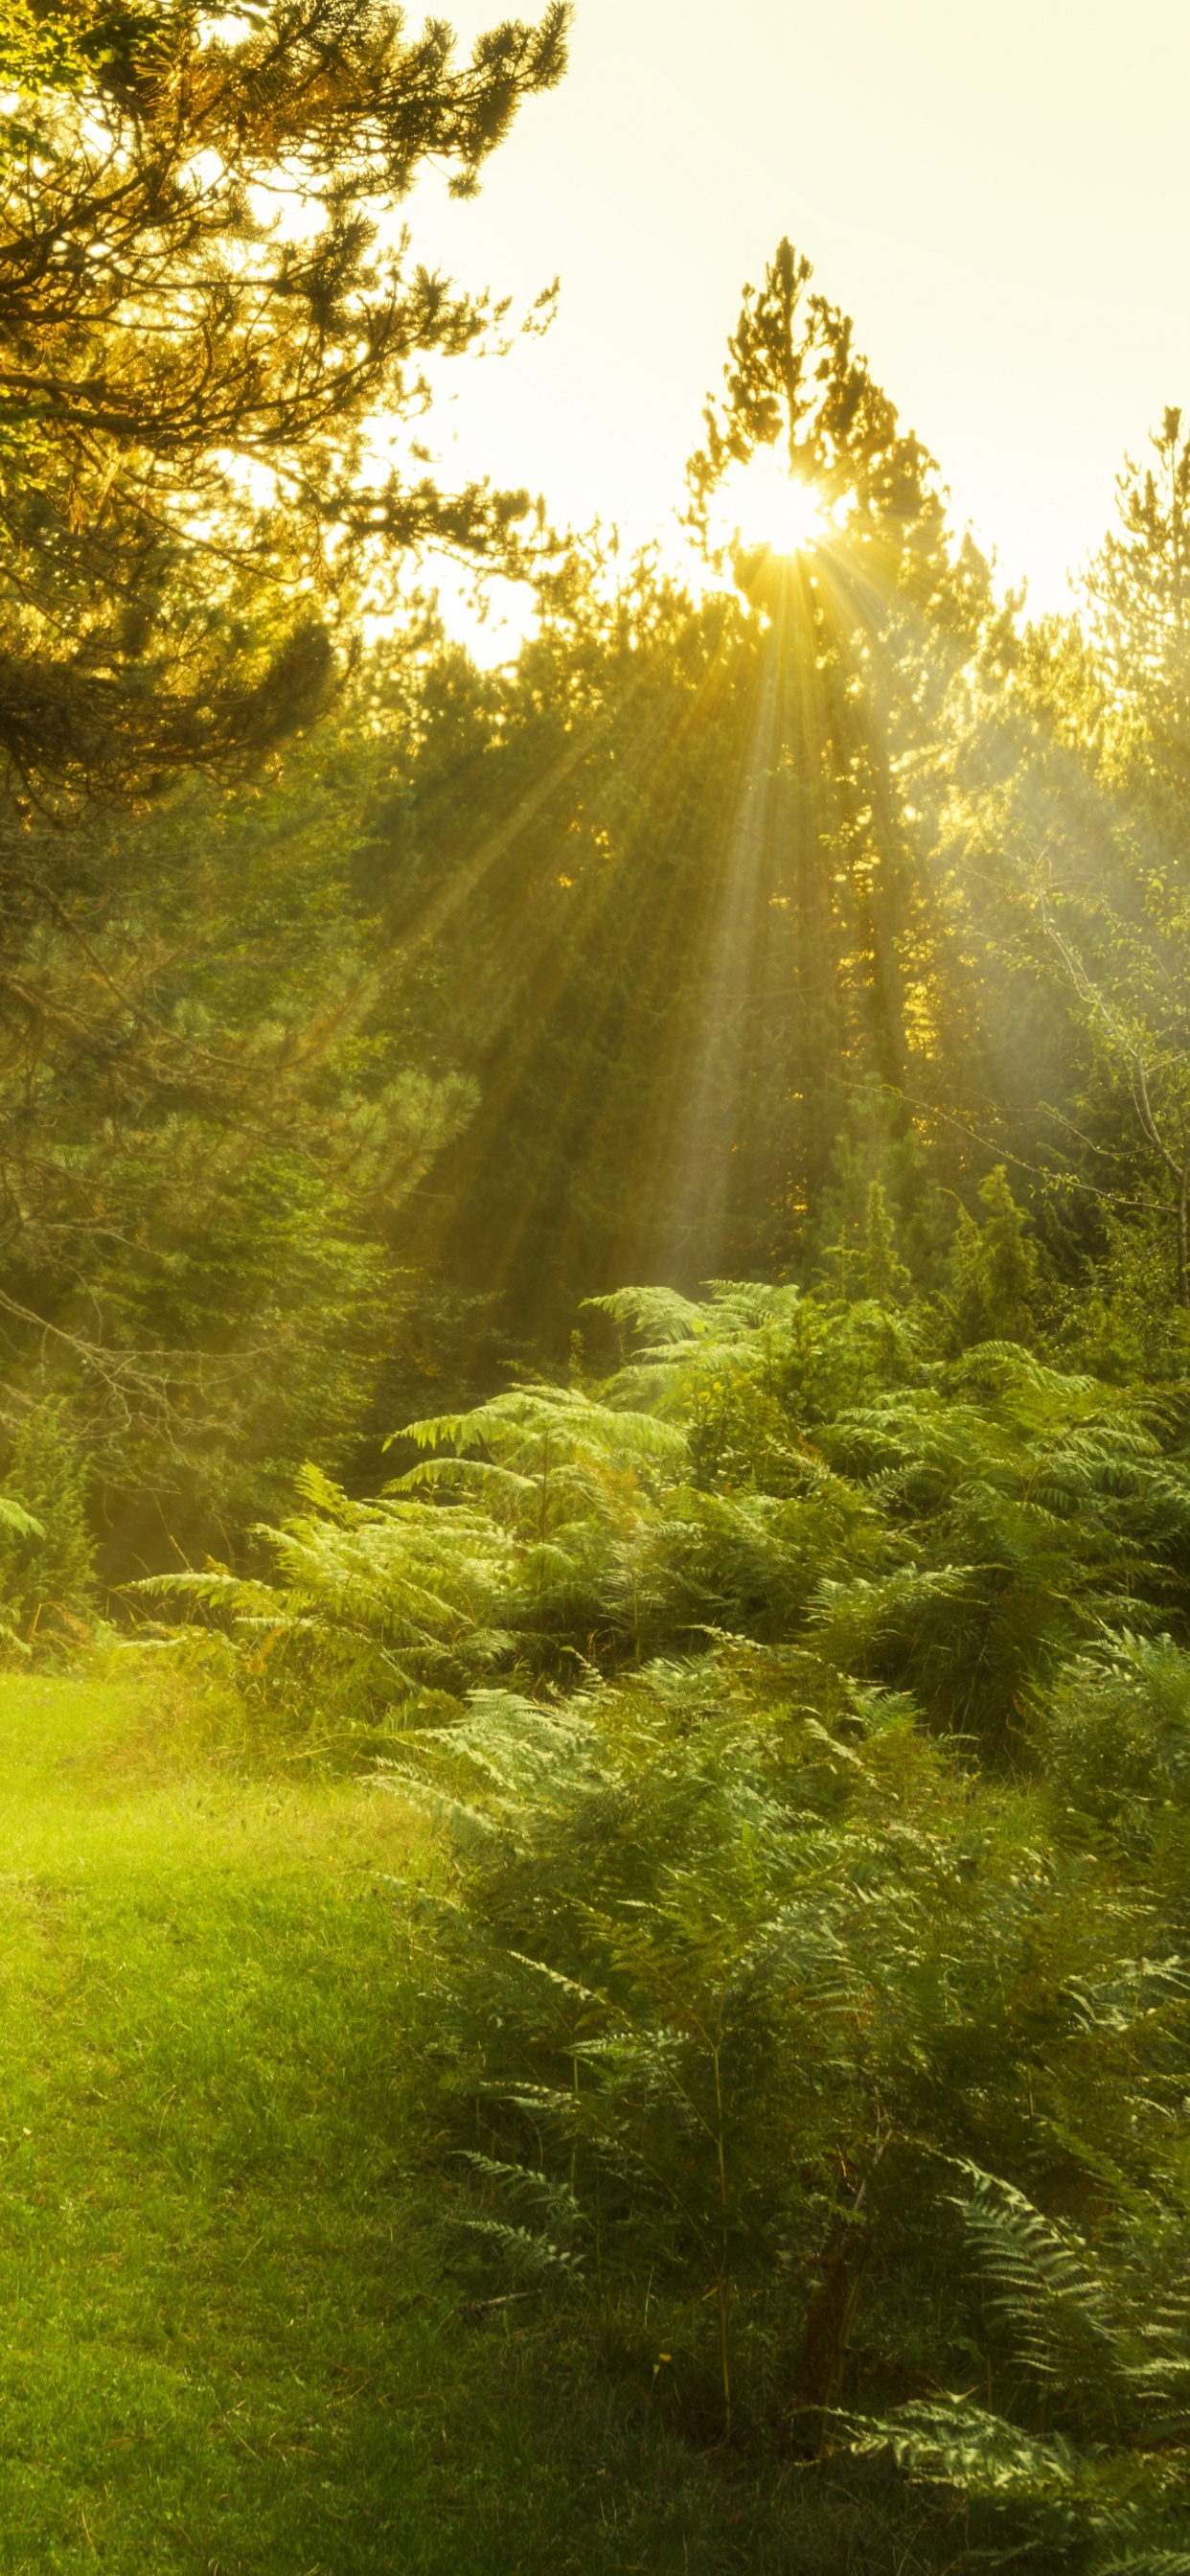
{"x":204,"y":303}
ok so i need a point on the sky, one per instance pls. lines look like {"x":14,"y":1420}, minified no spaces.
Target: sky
{"x":998,"y":191}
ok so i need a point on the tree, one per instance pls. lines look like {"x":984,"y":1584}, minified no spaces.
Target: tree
{"x":205,"y":320}
{"x":993,"y":1269}
{"x":793,"y":378}
{"x":1138,"y":590}
{"x":1126,"y":964}
{"x":696,"y":922}
{"x":851,"y":975}
{"x":210,"y":1115}
{"x":201,"y":312}
{"x":1066,"y":793}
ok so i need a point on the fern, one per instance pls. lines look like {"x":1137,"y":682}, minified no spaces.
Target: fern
{"x":723,"y":1907}
{"x":770,"y":1467}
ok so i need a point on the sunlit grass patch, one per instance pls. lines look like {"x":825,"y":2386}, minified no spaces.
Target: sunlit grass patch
{"x":233,"y":2332}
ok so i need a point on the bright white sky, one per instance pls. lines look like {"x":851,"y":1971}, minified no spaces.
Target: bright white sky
{"x":997,"y":190}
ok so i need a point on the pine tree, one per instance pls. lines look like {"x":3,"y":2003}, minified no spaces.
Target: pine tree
{"x":186,"y":498}
{"x":993,"y":1269}
{"x":1138,"y":589}
{"x":794,"y":378}
{"x":693,"y":852}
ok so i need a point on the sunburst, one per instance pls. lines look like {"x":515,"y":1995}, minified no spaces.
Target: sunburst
{"x":763,"y":504}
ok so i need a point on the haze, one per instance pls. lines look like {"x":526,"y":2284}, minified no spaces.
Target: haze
{"x":998,"y":194}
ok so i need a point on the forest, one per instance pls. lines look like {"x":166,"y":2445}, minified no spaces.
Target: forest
{"x":594,"y":1310}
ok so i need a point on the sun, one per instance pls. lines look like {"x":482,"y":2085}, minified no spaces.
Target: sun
{"x":763,"y":504}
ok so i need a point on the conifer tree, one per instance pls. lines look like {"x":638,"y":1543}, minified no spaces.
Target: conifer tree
{"x":993,"y":1269}
{"x":794,"y":379}
{"x":203,"y":306}
{"x":1063,"y":770}
{"x":847,"y":944}
{"x":200,"y":311}
{"x":1139,"y":592}
{"x":699,"y":920}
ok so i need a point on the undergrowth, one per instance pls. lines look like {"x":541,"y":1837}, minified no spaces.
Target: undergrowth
{"x":242,"y":2330}
{"x":801,"y":1998}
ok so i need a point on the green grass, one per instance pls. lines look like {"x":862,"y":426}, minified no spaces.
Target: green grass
{"x":232,"y":2335}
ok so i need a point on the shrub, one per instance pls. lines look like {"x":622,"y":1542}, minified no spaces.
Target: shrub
{"x":47,"y":1553}
{"x":734,"y":1985}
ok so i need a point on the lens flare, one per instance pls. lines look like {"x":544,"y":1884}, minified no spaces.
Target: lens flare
{"x":763,"y":504}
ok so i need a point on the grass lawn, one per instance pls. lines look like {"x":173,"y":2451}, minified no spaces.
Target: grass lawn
{"x":231,"y":2333}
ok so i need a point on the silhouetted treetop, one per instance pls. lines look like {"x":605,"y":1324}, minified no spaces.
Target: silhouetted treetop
{"x":793,"y":379}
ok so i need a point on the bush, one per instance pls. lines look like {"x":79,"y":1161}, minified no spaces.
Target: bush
{"x":1116,"y":1740}
{"x":741,"y":1994}
{"x":47,"y":1556}
{"x":768,"y":1466}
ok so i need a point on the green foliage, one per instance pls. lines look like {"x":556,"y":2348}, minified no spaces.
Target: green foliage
{"x":993,"y":1269}
{"x":814,"y":1807}
{"x":184,"y":492}
{"x":1101,"y":2333}
{"x":208,"y":1123}
{"x":646,"y":1925}
{"x":1116,"y":1741}
{"x":768,"y":1465}
{"x":740,"y":1990}
{"x":885,"y":1277}
{"x":47,"y":1551}
{"x":903,"y":1235}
